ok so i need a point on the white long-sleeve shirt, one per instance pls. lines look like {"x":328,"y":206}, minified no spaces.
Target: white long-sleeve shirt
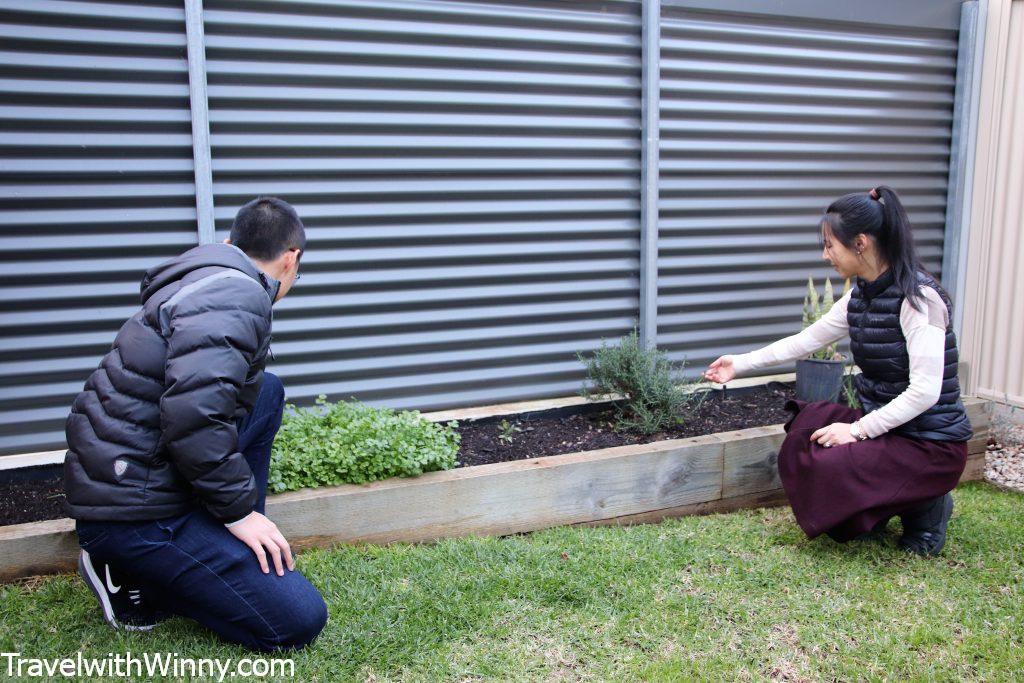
{"x":925,"y":331}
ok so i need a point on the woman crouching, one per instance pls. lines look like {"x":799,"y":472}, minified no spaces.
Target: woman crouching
{"x":847,"y":472}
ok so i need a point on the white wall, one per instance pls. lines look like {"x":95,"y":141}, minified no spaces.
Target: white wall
{"x":993,"y":326}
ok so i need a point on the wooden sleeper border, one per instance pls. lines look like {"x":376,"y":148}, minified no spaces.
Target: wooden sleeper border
{"x":621,"y":485}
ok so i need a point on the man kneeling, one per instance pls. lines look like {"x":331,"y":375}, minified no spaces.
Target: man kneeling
{"x":169,"y":447}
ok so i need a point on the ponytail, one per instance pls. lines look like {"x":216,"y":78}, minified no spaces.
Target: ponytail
{"x":897,"y":245}
{"x":880,"y":214}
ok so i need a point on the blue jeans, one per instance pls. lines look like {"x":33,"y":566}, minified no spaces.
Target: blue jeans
{"x":191,"y":565}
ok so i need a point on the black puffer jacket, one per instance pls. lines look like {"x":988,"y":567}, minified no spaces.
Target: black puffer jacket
{"x":153,"y":433}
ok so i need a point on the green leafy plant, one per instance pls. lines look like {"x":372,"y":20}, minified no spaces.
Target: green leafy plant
{"x":507,"y":431}
{"x":655,"y":395}
{"x":850,"y":388}
{"x":353,"y":443}
{"x":816,"y":306}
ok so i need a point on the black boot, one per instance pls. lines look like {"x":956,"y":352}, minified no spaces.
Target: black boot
{"x":924,"y":527}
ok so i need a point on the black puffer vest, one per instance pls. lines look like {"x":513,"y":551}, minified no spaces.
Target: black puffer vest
{"x":880,"y":351}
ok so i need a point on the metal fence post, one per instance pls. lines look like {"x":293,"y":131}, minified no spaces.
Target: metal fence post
{"x":200,"y":108}
{"x":961,"y":161}
{"x":650,"y":123}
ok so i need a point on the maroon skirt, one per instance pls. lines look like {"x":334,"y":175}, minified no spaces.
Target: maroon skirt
{"x":845,"y":490}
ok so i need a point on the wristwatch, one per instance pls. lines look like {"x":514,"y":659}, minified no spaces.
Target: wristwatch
{"x":856,"y":432}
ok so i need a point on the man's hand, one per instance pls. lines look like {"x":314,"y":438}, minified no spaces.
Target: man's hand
{"x":836,"y":434}
{"x":258,"y":532}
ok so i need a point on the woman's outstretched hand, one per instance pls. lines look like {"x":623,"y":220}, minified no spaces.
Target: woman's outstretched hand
{"x":721,"y":370}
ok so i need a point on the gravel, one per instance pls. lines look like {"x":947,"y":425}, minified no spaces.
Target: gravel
{"x":1004,"y":459}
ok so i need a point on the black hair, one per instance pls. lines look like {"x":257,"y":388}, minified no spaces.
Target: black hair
{"x":880,"y":215}
{"x":267,"y":227}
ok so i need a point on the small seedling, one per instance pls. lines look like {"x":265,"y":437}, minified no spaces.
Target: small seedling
{"x":507,"y":431}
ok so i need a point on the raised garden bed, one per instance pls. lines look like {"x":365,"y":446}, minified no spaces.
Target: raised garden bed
{"x":636,"y":482}
{"x":37,"y":494}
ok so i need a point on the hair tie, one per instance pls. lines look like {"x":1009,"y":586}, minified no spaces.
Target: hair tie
{"x":873,"y":193}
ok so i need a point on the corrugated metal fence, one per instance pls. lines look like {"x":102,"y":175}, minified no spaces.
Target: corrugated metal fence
{"x":764,"y":121}
{"x":469,"y":175}
{"x":96,"y":170}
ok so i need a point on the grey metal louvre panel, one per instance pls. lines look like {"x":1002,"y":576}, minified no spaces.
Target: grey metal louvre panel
{"x":765,"y":119}
{"x":468,"y":174}
{"x":95,"y":187}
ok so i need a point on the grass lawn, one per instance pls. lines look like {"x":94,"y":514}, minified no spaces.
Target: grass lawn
{"x":726,"y":597}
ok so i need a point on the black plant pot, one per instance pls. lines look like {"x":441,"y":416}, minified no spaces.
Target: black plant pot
{"x":818,"y":380}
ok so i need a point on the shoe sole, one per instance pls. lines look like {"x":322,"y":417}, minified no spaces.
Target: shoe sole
{"x":95,"y":584}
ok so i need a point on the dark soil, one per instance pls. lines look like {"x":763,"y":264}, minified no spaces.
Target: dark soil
{"x":31,"y":500}
{"x":569,"y":430}
{"x":36,"y":495}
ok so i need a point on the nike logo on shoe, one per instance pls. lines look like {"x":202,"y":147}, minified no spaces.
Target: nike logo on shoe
{"x":110,"y":584}
{"x":127,"y":612}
